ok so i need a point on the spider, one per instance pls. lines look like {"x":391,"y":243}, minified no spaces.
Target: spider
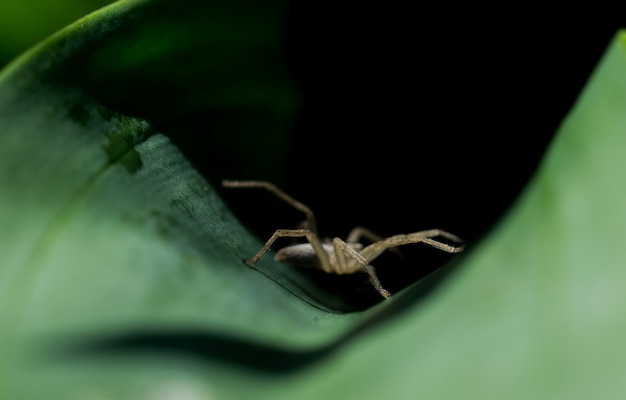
{"x":337,"y":256}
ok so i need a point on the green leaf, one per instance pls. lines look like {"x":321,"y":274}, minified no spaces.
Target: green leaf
{"x":107,"y":230}
{"x":120,"y":265}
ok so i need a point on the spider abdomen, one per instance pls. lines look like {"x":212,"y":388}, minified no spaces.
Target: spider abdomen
{"x":303,"y":255}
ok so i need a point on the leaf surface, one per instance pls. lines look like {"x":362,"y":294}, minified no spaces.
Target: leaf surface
{"x":121,"y":273}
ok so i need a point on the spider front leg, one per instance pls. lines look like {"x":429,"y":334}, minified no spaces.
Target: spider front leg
{"x":270,"y":187}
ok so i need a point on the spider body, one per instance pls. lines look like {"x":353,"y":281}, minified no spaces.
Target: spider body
{"x":338,"y":256}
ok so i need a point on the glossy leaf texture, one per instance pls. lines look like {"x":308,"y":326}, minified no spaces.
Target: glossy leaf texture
{"x":121,"y":273}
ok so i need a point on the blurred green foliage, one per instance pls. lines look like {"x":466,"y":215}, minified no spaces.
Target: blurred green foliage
{"x":25,"y":23}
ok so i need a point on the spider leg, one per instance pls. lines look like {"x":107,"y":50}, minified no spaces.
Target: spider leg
{"x":310,"y":218}
{"x":343,"y":266}
{"x":359,"y":232}
{"x":375,"y":249}
{"x":310,"y":236}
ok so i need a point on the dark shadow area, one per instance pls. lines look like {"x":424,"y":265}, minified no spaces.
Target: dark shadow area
{"x":200,"y":345}
{"x":418,"y":119}
{"x":243,"y":353}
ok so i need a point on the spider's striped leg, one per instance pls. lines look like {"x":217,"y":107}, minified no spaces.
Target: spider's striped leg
{"x":375,"y":249}
{"x":359,"y":232}
{"x":342,"y":250}
{"x":270,"y":187}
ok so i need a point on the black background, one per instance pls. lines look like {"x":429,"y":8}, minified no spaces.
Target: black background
{"x":433,"y":117}
{"x":418,"y":117}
